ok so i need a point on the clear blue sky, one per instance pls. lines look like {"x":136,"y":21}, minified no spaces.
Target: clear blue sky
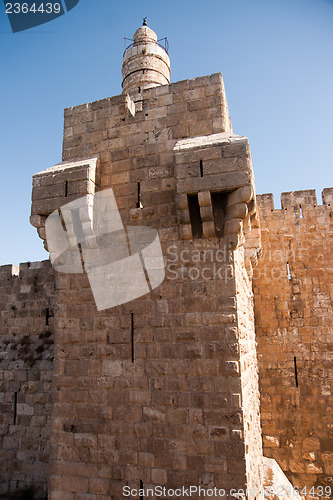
{"x":275,"y":57}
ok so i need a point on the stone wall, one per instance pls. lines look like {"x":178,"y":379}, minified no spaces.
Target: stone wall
{"x":293,"y":289}
{"x":26,"y":344}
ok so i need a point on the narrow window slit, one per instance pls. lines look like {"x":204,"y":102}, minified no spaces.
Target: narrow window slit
{"x":219,"y":205}
{"x":66,"y":189}
{"x":300,"y":212}
{"x":141,"y":488}
{"x":132,"y":335}
{"x":47,"y":316}
{"x":288,"y":271}
{"x":195,"y":216}
{"x":139,"y":89}
{"x":201,"y":168}
{"x":138,"y":203}
{"x":295,"y":368}
{"x":15,"y":408}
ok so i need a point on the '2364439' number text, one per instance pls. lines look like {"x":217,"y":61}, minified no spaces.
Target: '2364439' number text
{"x":47,"y":8}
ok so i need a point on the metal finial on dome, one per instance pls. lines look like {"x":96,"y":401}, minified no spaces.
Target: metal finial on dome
{"x":144,"y":22}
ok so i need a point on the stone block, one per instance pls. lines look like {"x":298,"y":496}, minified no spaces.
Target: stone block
{"x":74,"y":484}
{"x":204,"y":199}
{"x":159,"y":476}
{"x":99,"y":486}
{"x":111,"y":368}
{"x":185,"y":232}
{"x":241,"y":195}
{"x":233,"y":226}
{"x":208,"y":229}
{"x":238,"y":211}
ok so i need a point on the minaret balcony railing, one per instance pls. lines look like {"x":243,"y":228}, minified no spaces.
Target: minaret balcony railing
{"x":164,"y":44}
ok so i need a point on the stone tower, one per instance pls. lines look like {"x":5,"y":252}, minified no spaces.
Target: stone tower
{"x":161,"y":390}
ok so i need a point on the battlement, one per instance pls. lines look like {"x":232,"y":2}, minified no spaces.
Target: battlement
{"x":296,"y":200}
{"x":10,"y":270}
{"x":24,"y":288}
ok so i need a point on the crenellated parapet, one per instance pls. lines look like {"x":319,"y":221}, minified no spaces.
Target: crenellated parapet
{"x":299,"y":202}
{"x":293,"y":308}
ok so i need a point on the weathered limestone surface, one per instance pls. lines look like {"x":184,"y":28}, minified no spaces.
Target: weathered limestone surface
{"x":27,"y":303}
{"x":294,"y":318}
{"x":176,"y":414}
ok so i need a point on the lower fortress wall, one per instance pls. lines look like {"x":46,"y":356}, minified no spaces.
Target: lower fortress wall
{"x":175,"y":415}
{"x":26,"y":356}
{"x":293,"y":290}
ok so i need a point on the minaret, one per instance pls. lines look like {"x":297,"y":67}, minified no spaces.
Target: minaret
{"x":146,"y":63}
